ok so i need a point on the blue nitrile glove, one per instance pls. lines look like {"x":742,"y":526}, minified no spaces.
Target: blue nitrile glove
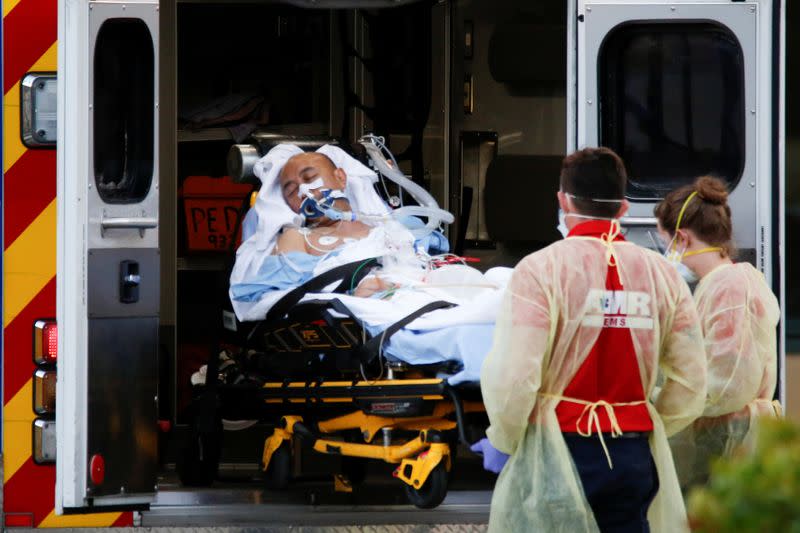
{"x":493,"y":459}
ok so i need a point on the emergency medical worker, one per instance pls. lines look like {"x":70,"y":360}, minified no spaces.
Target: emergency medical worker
{"x":739,"y":315}
{"x":584,"y":327}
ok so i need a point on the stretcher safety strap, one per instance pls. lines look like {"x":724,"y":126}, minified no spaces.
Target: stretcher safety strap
{"x":590,"y":412}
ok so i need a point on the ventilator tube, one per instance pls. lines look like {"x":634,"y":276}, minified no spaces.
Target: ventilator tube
{"x":427,"y":207}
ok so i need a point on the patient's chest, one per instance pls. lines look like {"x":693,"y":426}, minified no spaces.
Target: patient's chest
{"x":324,"y":239}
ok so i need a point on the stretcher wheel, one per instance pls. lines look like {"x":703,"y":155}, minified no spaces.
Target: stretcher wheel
{"x":199,"y":464}
{"x":279,"y":471}
{"x":432,"y":492}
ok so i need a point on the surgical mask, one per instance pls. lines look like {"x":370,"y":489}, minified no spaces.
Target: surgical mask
{"x":675,"y":258}
{"x":562,"y":223}
{"x":686,"y":273}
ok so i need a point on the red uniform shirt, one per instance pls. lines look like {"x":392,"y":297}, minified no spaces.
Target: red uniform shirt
{"x":611,"y":370}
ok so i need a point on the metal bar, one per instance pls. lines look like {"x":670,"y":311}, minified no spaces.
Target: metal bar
{"x":390,"y":454}
{"x":129,"y":223}
{"x":638,"y":222}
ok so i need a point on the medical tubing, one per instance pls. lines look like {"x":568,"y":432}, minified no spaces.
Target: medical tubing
{"x":355,"y":273}
{"x":419,"y":194}
{"x":435,"y":218}
{"x":381,"y":143}
{"x":459,"y":410}
{"x":428,"y":206}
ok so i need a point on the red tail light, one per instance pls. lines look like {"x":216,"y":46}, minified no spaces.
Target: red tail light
{"x":45,"y":342}
{"x":97,"y":469}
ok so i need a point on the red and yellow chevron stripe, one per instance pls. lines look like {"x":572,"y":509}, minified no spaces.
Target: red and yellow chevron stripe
{"x":29,"y":269}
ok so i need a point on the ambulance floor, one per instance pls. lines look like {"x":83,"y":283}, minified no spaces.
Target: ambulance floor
{"x":238,"y":499}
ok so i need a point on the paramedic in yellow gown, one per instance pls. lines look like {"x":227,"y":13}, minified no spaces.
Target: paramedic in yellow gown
{"x":739,"y":315}
{"x":558,"y":314}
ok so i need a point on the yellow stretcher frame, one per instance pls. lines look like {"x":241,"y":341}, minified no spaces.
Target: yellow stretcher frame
{"x":417,"y":458}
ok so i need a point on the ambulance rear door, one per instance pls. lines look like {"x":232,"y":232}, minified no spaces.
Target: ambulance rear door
{"x":683,"y":89}
{"x":108,"y":256}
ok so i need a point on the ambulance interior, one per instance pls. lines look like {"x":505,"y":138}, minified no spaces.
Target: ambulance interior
{"x":471,"y":97}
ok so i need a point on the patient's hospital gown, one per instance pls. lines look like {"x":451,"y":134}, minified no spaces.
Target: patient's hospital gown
{"x":546,"y":328}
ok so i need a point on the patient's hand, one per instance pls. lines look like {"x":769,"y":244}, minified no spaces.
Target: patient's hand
{"x":371,"y":285}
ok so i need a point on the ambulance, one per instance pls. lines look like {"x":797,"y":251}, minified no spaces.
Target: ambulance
{"x":116,"y":111}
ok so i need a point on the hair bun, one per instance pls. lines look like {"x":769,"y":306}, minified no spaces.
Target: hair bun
{"x":712,"y":190}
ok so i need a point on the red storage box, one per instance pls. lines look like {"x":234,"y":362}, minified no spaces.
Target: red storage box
{"x":212,"y":207}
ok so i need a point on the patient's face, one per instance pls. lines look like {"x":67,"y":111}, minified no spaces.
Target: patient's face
{"x":305,"y":168}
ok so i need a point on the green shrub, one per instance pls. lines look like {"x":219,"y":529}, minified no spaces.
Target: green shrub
{"x":756,"y":492}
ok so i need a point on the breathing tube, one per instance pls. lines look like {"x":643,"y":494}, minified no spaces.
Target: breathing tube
{"x":313,"y":208}
{"x":427,"y":207}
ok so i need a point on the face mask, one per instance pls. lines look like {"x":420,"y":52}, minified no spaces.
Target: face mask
{"x":675,"y":258}
{"x":562,"y":224}
{"x":686,"y":273}
{"x":312,"y":208}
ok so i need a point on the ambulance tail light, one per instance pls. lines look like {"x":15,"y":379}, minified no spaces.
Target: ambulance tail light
{"x":45,"y":342}
{"x":44,"y":392}
{"x":44,"y":441}
{"x":45,"y":354}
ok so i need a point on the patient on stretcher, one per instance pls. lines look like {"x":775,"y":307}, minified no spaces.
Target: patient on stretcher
{"x":292,"y":238}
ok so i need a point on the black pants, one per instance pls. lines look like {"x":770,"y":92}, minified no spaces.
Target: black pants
{"x":619,"y":497}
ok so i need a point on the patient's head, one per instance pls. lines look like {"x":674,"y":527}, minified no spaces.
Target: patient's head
{"x":305,"y":168}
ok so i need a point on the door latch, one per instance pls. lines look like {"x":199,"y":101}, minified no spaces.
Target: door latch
{"x":129,"y":281}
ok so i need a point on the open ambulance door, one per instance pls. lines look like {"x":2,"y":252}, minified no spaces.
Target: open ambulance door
{"x":108,"y":257}
{"x":681,"y":89}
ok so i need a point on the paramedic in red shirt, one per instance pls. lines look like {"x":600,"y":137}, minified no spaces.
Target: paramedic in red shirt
{"x":584,"y":329}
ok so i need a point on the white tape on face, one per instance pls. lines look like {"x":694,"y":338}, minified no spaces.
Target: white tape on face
{"x":304,"y":189}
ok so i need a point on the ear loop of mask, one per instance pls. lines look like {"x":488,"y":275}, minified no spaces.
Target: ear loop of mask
{"x":672,"y":250}
{"x":703,"y":251}
{"x":598,"y":200}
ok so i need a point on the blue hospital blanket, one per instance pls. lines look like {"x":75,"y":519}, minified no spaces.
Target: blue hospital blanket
{"x":277,"y":272}
{"x":468,"y":344}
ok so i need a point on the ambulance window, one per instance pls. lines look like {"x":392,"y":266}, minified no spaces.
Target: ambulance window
{"x":123,"y":111}
{"x":672,"y":104}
